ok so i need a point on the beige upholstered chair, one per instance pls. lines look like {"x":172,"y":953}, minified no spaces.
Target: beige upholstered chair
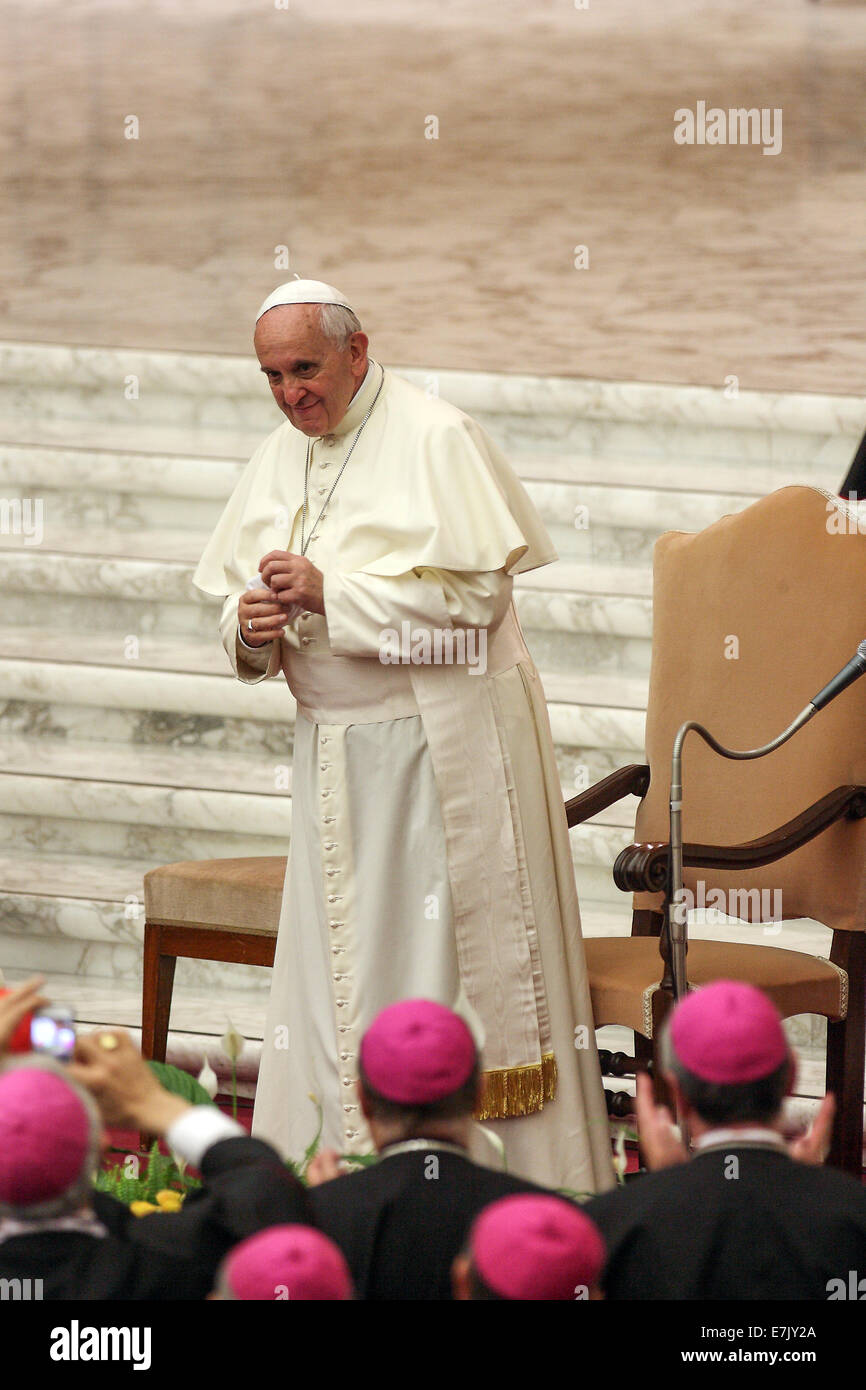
{"x":752,"y":617}
{"x":210,"y":909}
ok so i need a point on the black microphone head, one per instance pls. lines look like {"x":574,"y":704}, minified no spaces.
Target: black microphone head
{"x":853,"y":671}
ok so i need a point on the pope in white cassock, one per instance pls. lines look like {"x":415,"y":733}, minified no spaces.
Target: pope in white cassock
{"x":429,"y":854}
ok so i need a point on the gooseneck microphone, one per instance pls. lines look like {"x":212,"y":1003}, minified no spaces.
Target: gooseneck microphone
{"x":856,"y":667}
{"x":677,"y":910}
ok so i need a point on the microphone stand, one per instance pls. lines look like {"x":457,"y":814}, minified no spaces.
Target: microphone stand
{"x":677,"y":911}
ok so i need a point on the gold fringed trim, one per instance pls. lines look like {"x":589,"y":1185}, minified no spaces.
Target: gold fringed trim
{"x":518,"y":1090}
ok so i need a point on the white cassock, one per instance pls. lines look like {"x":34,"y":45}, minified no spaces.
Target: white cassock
{"x":429,"y":854}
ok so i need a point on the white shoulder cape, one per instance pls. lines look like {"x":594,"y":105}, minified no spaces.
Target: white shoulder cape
{"x":435,"y":491}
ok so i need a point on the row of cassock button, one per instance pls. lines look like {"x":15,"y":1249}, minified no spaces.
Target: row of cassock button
{"x":338,"y":947}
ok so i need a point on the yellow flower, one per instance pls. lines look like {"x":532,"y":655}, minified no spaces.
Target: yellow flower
{"x":169,"y":1200}
{"x":142,"y":1208}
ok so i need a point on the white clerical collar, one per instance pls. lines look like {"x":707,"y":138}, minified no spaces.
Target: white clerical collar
{"x":749,"y":1137}
{"x":84,"y":1222}
{"x":408,"y":1146}
{"x":360,"y":402}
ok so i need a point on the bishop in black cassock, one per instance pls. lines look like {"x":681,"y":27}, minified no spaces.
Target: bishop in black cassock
{"x":72,"y":1242}
{"x":743,"y":1219}
{"x":402,"y":1221}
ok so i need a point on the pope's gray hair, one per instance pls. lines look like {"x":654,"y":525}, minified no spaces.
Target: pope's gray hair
{"x":79,"y":1194}
{"x":339,"y":323}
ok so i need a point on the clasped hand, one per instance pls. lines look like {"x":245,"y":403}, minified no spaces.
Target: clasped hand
{"x":287,"y":581}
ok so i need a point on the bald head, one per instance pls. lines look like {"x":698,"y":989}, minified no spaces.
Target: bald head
{"x":313,"y":366}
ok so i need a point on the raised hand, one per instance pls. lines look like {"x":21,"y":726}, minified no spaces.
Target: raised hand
{"x":16,"y":1005}
{"x":660,"y":1144}
{"x":110,"y":1065}
{"x":814,"y":1145}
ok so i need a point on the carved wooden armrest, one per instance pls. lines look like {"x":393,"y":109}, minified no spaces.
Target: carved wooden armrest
{"x":644,"y":868}
{"x":633,"y":780}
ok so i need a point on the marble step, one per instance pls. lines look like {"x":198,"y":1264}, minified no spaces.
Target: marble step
{"x":79,"y":908}
{"x":126,"y":838}
{"x":52,"y":688}
{"x":124,"y":487}
{"x":97,"y":729}
{"x":71,"y":795}
{"x":605,"y":627}
{"x":77,"y":536}
{"x":113,"y":460}
{"x":145,"y":765}
{"x":166,"y":389}
{"x":61,"y":669}
{"x":584,"y":524}
{"x":185,"y":736}
{"x":94,"y":904}
{"x":116,"y":464}
{"x":589,"y":523}
{"x":100,"y":560}
{"x":594,"y":847}
{"x":633,"y":473}
{"x":125,"y":502}
{"x":94,"y":563}
{"x":96,"y":447}
{"x":77,"y":813}
{"x":104,"y":562}
{"x":181,"y":795}
{"x":203,"y":655}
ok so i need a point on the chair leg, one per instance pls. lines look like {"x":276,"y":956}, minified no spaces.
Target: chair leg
{"x":157,"y":987}
{"x":662,"y":1005}
{"x":846,"y":1042}
{"x":643,"y":1050}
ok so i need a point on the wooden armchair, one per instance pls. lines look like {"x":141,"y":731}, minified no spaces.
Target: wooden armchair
{"x":752,"y":617}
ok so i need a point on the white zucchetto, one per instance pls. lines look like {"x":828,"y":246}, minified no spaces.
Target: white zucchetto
{"x":304,"y":292}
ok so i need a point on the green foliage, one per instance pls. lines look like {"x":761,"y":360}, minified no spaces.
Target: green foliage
{"x":156,"y":1171}
{"x":300,"y":1169}
{"x":180,"y":1083}
{"x":313,"y":1147}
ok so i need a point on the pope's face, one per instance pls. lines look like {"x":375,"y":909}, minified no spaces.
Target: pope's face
{"x":312,"y":378}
